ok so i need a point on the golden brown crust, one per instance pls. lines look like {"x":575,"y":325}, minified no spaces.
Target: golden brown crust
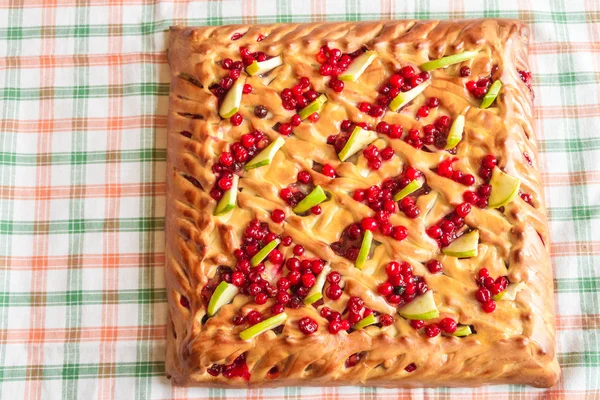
{"x":515,"y":344}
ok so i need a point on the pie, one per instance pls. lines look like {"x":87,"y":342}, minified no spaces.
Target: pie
{"x":356,"y":204}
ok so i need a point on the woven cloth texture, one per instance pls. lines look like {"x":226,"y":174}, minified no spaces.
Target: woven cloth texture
{"x":83,"y":101}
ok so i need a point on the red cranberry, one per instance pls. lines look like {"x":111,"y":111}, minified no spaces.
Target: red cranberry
{"x":483,"y":273}
{"x":489,"y":306}
{"x":261,"y":298}
{"x":465,"y":71}
{"x":236,"y":119}
{"x":226,"y":158}
{"x":386,"y":319}
{"x":423,"y":111}
{"x":407,"y":71}
{"x":329,"y":171}
{"x":364,"y":107}
{"x":432,"y":330}
{"x":247,"y":87}
{"x":433,"y":102}
{"x":285,"y":129}
{"x":334,"y":277}
{"x":448,"y":325}
{"x":254,"y":317}
{"x":334,"y":327}
{"x":334,"y":291}
{"x":277,"y":309}
{"x":527,"y":198}
{"x":485,"y":173}
{"x":470,"y":197}
{"x":417,"y":323}
{"x":298,"y":250}
{"x":467,"y":180}
{"x":485,"y":190}
{"x":275,"y":257}
{"x":385,"y":288}
{"x":294,"y":277}
{"x":238,"y":279}
{"x":471,"y":86}
{"x":434,"y":266}
{"x":410,"y":367}
{"x":434,"y":231}
{"x":277,"y":216}
{"x":369,"y":224}
{"x":463,"y":209}
{"x":482,"y":295}
{"x":489,"y":161}
{"x":392,"y":268}
{"x":400,"y":232}
{"x":307,"y":325}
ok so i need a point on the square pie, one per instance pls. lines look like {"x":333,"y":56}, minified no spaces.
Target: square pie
{"x":356,"y":204}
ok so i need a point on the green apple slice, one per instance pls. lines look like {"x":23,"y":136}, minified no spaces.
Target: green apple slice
{"x":463,"y":247}
{"x":266,"y":155}
{"x":510,"y":293}
{"x":366,"y":321}
{"x":264,"y":252}
{"x":261,"y":67}
{"x":504,"y":188}
{"x":403,"y":98}
{"x":456,"y":132}
{"x":491,"y":95}
{"x":263,"y":326}
{"x":422,"y":307}
{"x":316,"y":292}
{"x":358,"y":66}
{"x":223,"y":294}
{"x":365,"y":247}
{"x":464,"y":330}
{"x":316,"y":197}
{"x":448,"y":60}
{"x":358,"y":140}
{"x":313,"y":107}
{"x":233,"y":98}
{"x":414,"y":185}
{"x":227,"y":202}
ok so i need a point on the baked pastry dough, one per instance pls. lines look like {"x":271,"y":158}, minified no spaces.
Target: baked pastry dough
{"x":511,"y":340}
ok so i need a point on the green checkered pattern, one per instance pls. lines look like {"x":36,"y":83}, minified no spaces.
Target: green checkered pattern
{"x":83,"y":103}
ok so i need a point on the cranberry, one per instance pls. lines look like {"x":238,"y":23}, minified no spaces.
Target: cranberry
{"x":448,"y":325}
{"x":277,"y":216}
{"x":386,"y":319}
{"x":275,"y":257}
{"x":226,"y":158}
{"x":261,"y":298}
{"x":479,"y":92}
{"x":329,"y":171}
{"x":470,"y":197}
{"x":482,"y":295}
{"x":238,"y":279}
{"x":407,"y":71}
{"x":410,"y":367}
{"x":423,"y":111}
{"x":385,"y":288}
{"x":334,"y":327}
{"x":527,"y":198}
{"x":334,"y":277}
{"x":489,"y":306}
{"x":308,"y":280}
{"x":369,"y":224}
{"x":285,"y":129}
{"x":254,"y":317}
{"x":325,"y":69}
{"x":364,"y":107}
{"x":298,"y":250}
{"x":236,"y":119}
{"x":434,"y":231}
{"x":463,"y":209}
{"x":277,"y":309}
{"x":308,"y":326}
{"x":417,"y":323}
{"x":432,"y":102}
{"x":294,"y":277}
{"x":465,"y":71}
{"x":485,"y":190}
{"x":400,"y":232}
{"x":286,"y":240}
{"x":467,"y":180}
{"x":432,"y":330}
{"x":392,"y":268}
{"x":471,"y":85}
{"x":434,"y":266}
{"x":489,"y":161}
{"x":334,"y":291}
{"x":485,"y":173}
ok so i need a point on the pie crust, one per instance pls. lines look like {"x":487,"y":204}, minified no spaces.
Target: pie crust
{"x":515,"y":344}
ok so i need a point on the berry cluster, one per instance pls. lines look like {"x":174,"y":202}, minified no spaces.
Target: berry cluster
{"x":238,"y":368}
{"x":446,"y":325}
{"x":401,"y":81}
{"x":307,"y":325}
{"x":334,"y":63}
{"x":447,"y":230}
{"x":232,"y":161}
{"x":446,"y":170}
{"x":393,"y":131}
{"x":296,"y":192}
{"x":374,"y":156}
{"x":425,"y":109}
{"x":380,"y":198}
{"x":479,"y":88}
{"x":401,"y":286}
{"x":248,"y":57}
{"x":437,"y":133}
{"x":489,"y":287}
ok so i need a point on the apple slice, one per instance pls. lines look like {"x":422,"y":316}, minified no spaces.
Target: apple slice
{"x":456,"y":132}
{"x":448,"y":60}
{"x":366,"y":321}
{"x":504,"y":188}
{"x":313,"y":107}
{"x":358,"y":66}
{"x":317,"y":196}
{"x":463,"y":247}
{"x":264,"y":252}
{"x":261,"y":67}
{"x":223,"y":294}
{"x":227,"y":202}
{"x":266,"y":155}
{"x":358,"y":140}
{"x":263,"y":326}
{"x":422,"y":307}
{"x":510,"y":293}
{"x":316,"y":292}
{"x":365,"y":247}
{"x":491,"y":95}
{"x":403,"y":98}
{"x":414,"y":185}
{"x":461,"y":331}
{"x":233,"y":98}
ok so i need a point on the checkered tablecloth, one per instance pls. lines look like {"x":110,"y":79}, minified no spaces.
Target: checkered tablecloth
{"x":83,"y":103}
